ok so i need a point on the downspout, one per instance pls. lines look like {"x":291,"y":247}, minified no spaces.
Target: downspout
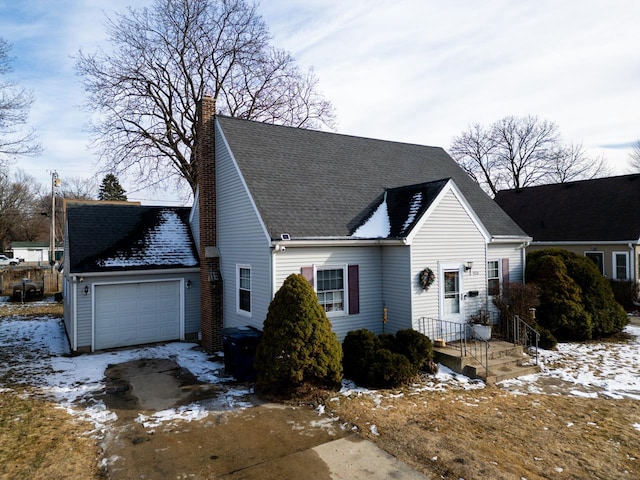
{"x":524,"y":259}
{"x":74,"y":299}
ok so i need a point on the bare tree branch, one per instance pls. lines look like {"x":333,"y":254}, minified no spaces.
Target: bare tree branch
{"x":634,"y":157}
{"x":164,"y":59}
{"x":15,"y":103}
{"x":517,"y":152}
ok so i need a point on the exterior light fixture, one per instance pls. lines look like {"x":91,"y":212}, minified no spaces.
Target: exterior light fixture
{"x":86,"y":289}
{"x":189,"y":283}
{"x":468,"y":266}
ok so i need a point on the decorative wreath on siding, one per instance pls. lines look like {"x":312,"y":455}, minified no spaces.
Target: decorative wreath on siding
{"x":426,"y":278}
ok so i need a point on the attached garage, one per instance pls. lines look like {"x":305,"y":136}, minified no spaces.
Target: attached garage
{"x":136,"y":313}
{"x":131,"y":276}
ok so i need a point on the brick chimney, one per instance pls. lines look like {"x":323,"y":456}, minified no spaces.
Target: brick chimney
{"x":210,"y":278}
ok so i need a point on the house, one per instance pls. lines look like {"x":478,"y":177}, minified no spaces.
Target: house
{"x":596,"y":218}
{"x":34,"y":251}
{"x":131,"y":276}
{"x":361,"y":219}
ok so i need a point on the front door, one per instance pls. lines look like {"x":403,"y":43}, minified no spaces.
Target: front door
{"x":451,"y":299}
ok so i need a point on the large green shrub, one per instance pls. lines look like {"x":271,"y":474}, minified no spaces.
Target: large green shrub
{"x":625,"y":293}
{"x":576,"y":301}
{"x":297,"y":344}
{"x":385,"y":361}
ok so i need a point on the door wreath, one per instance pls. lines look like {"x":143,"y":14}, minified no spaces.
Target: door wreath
{"x":426,"y":278}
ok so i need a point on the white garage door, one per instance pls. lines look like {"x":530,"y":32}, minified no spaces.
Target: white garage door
{"x":136,"y":313}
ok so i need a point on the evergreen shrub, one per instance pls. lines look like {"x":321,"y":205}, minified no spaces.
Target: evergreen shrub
{"x":297,"y":345}
{"x":576,"y":301}
{"x":385,"y":361}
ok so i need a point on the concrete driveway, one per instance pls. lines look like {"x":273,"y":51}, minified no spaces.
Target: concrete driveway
{"x":267,"y":441}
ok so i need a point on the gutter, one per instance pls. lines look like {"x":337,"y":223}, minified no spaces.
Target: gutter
{"x":279,"y":245}
{"x":130,"y":273}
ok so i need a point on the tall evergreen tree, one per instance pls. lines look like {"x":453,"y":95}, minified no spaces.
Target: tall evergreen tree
{"x":110,"y":189}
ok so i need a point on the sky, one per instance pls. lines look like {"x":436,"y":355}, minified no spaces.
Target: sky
{"x":417,"y":71}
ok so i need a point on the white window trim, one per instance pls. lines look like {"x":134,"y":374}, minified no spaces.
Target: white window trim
{"x":599,"y":252}
{"x":238,"y":309}
{"x":614,"y":269}
{"x":499,"y":260}
{"x":345,"y":286}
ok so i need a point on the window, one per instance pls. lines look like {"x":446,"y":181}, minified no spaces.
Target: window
{"x":493,"y":277}
{"x":244,"y":289}
{"x":330,"y":288}
{"x":620,"y":265}
{"x":597,"y":258}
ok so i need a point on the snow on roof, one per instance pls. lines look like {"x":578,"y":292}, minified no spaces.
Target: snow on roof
{"x":168,"y":243}
{"x":378,"y":224}
{"x":414,"y":208}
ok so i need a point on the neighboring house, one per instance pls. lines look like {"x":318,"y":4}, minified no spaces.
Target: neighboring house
{"x":131,"y":276}
{"x":359,"y":218}
{"x":34,"y":251}
{"x":596,"y":218}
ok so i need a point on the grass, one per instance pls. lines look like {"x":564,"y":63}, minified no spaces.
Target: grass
{"x":40,"y":441}
{"x":491,"y":433}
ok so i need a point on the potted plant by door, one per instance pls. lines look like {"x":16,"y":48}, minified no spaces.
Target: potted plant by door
{"x":480,"y":325}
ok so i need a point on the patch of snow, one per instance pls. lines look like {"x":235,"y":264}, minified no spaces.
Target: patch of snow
{"x":414,"y":208}
{"x":377,"y":226}
{"x":168,"y":243}
{"x":374,"y":430}
{"x":74,"y":381}
{"x":636,"y":426}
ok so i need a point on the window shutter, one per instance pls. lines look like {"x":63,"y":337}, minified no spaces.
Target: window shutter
{"x":354,"y":290}
{"x":505,"y":274}
{"x":307,"y":272}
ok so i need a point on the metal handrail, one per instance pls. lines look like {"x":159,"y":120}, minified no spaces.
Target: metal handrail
{"x":525,"y":335}
{"x":459,"y":334}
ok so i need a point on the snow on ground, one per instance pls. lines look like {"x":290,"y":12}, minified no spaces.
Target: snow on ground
{"x":593,"y":369}
{"x":35,"y":353}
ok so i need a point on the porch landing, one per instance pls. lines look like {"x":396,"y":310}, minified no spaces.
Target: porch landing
{"x":506,"y":361}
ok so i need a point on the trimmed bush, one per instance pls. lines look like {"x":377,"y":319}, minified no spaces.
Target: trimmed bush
{"x":388,"y":369}
{"x":385,"y":361}
{"x":576,"y":301}
{"x":415,"y":346}
{"x":297,"y":344}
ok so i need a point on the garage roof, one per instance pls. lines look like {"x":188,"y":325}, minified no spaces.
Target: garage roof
{"x":125,"y":237}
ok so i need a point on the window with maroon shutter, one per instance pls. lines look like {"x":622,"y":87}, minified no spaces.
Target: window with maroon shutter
{"x":307,"y":272}
{"x":505,"y":274}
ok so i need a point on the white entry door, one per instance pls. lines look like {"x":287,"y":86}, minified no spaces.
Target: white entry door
{"x":451,"y":296}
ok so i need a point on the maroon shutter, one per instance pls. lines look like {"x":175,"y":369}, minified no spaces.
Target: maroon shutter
{"x":505,"y":274}
{"x":354,"y":290}
{"x":307,"y":272}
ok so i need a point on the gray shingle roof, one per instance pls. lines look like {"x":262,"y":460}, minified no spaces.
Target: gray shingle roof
{"x":124,"y":237}
{"x":314,"y":184}
{"x":604,"y":209}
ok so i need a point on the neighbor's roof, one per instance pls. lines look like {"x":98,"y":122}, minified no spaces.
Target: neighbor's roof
{"x":122,"y":237}
{"x":30,"y":244}
{"x":602,"y":209}
{"x":313,"y":184}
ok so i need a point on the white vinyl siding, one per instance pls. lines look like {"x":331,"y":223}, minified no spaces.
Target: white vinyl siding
{"x":397,"y":287}
{"x":448,"y":236}
{"x":242,"y":240}
{"x":368,"y":260}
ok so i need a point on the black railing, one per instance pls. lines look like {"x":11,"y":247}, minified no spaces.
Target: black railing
{"x":459,"y":336}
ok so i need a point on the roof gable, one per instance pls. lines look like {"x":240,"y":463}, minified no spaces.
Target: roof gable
{"x":115,"y":238}
{"x":313,"y":184}
{"x":602,"y":209}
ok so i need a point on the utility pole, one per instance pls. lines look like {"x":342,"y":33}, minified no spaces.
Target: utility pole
{"x":55,"y":182}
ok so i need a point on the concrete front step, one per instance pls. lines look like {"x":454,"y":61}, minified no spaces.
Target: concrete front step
{"x":505,"y":361}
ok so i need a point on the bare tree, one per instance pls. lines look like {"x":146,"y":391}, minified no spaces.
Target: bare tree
{"x":634,"y":157}
{"x":15,"y":103}
{"x":77,"y":188}
{"x":517,"y":152}
{"x":164,"y":59}
{"x":20,"y":216}
{"x":572,"y":163}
